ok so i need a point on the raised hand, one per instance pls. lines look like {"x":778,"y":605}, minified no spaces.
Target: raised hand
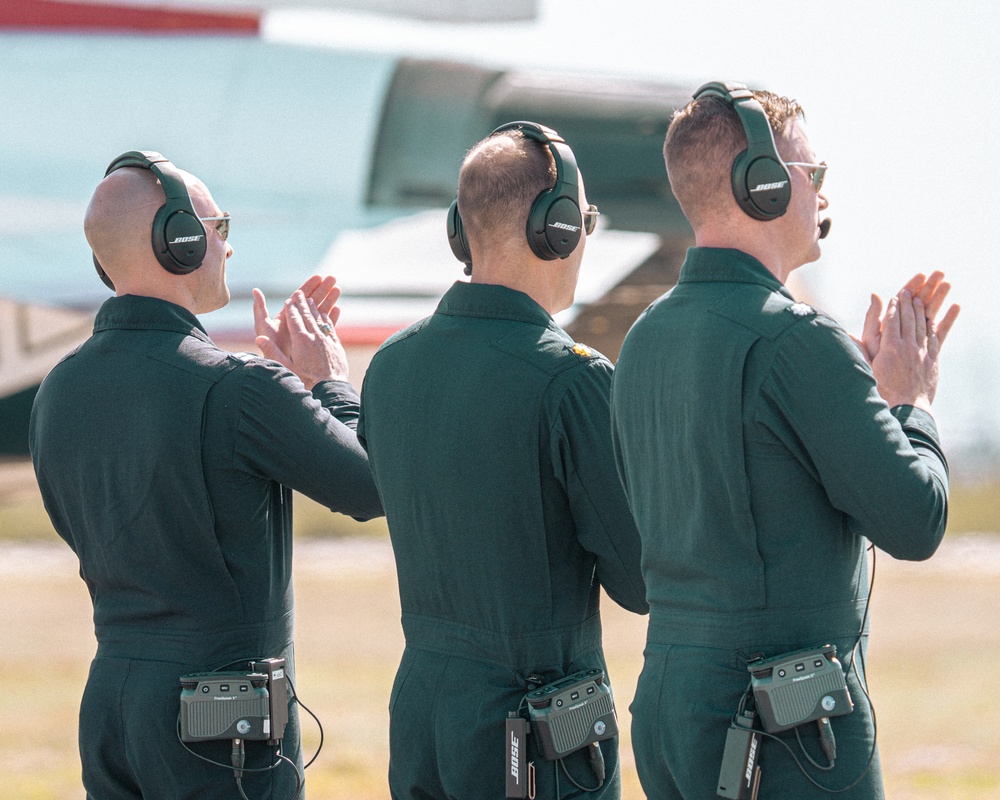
{"x":309,"y":345}
{"x":905,"y":362}
{"x":322,"y":291}
{"x":930,"y":292}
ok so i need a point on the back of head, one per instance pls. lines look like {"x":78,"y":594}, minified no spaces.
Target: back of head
{"x":500,"y":179}
{"x":119,"y":220}
{"x":703,"y":141}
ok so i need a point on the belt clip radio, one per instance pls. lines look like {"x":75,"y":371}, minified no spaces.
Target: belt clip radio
{"x":799,"y":687}
{"x":251,"y":704}
{"x":570,"y":714}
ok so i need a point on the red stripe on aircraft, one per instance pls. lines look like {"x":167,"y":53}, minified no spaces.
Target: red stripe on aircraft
{"x":54,"y":14}
{"x":367,"y":334}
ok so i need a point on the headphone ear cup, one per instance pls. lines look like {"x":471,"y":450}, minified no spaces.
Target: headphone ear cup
{"x":178,"y":239}
{"x":102,"y":274}
{"x":456,"y":237}
{"x":555,"y":226}
{"x":762,"y":186}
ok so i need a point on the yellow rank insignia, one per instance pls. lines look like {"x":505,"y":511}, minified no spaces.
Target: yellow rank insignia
{"x":582,"y":350}
{"x":801,"y":309}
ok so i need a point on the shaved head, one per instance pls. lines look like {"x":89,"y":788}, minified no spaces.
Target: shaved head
{"x":119,"y":227}
{"x":119,"y":220}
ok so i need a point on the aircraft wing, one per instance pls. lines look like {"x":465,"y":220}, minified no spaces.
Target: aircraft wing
{"x":318,"y":153}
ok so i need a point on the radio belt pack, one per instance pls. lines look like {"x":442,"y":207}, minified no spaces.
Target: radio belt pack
{"x":249,"y":705}
{"x":570,"y":714}
{"x":239,"y":706}
{"x":785,"y":691}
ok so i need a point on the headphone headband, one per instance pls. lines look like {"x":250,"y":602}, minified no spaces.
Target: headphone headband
{"x":170,"y":178}
{"x":555,"y":223}
{"x":177,"y":236}
{"x":760,"y":180}
{"x":566,"y":169}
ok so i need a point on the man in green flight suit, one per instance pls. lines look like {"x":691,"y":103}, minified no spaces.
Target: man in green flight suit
{"x":760,"y":457}
{"x":167,"y":464}
{"x":488,"y":432}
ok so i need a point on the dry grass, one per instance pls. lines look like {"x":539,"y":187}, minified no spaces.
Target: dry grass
{"x":931,"y":665}
{"x":932,"y":669}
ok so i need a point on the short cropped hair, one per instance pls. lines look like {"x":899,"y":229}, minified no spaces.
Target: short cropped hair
{"x":702,"y":142}
{"x":499,"y":181}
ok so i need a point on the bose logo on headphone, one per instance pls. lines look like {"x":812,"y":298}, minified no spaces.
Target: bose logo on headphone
{"x":760,"y":180}
{"x":766,"y":187}
{"x":564,"y":226}
{"x":182,"y":239}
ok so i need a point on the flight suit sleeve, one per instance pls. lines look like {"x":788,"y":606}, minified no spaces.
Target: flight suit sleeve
{"x":340,"y":399}
{"x":883,"y":469}
{"x":585,"y":465}
{"x":288,"y":435}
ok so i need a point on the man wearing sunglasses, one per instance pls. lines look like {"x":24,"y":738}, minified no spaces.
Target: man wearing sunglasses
{"x":488,"y":433}
{"x":762,"y":449}
{"x":167,"y":464}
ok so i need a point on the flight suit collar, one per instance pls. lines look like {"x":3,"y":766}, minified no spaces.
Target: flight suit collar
{"x":728,"y":266}
{"x":133,"y":312}
{"x":489,"y":301}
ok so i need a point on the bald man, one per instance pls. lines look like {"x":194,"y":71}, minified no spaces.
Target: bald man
{"x":167,"y":464}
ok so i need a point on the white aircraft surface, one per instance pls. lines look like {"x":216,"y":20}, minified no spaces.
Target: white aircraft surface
{"x":329,"y":159}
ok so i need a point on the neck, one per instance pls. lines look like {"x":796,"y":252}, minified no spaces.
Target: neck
{"x":754,"y":239}
{"x":173,"y":291}
{"x":527,"y":274}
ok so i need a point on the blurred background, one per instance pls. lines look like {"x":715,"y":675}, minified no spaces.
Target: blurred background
{"x":333,"y":130}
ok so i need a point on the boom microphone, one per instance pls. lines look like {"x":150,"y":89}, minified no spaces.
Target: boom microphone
{"x":824,"y":227}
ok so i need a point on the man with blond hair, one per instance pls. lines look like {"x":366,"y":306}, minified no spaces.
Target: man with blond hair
{"x":762,"y":449}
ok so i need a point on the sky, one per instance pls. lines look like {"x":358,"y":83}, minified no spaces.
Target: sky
{"x":897,"y":103}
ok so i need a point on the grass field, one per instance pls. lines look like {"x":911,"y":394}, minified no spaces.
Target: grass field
{"x":932,"y":666}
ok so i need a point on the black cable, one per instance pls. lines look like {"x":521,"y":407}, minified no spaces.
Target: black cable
{"x":809,"y":758}
{"x":856,"y":650}
{"x":319,"y":747}
{"x":562,"y":763}
{"x":808,"y":777}
{"x":298,"y":775}
{"x":239,"y":759}
{"x":827,"y":740}
{"x":596,"y":758}
{"x":275,"y":765}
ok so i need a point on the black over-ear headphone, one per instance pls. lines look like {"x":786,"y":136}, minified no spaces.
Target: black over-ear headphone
{"x":178,"y":236}
{"x":761,"y":182}
{"x":555,"y":222}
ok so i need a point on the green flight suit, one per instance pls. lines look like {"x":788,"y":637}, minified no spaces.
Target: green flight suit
{"x":759,"y":460}
{"x":488,"y":433}
{"x":167,"y":465}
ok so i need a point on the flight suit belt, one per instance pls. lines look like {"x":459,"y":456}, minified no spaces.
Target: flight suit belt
{"x":754,"y":628}
{"x":204,"y":647}
{"x":520,"y":651}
